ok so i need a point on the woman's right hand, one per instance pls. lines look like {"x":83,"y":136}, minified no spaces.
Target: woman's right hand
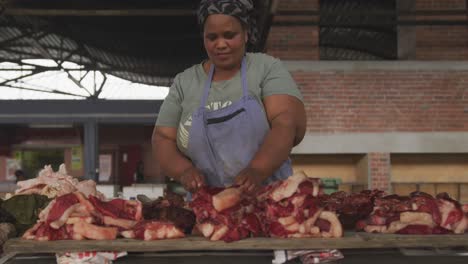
{"x":192,"y":179}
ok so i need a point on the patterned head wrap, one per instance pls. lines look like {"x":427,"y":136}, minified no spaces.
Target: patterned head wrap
{"x":240,"y":9}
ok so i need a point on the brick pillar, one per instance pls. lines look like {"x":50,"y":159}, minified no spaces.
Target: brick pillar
{"x":379,"y":169}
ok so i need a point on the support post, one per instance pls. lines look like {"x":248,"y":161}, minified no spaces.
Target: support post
{"x":91,"y":150}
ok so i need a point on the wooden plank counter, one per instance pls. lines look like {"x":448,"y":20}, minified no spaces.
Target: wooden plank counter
{"x":351,"y":240}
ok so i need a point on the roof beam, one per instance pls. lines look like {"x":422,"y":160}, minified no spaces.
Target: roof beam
{"x":459,"y":22}
{"x":15,"y":11}
{"x":53,"y":91}
{"x":74,"y":111}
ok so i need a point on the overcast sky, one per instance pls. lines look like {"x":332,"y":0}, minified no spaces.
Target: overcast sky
{"x":114,"y":88}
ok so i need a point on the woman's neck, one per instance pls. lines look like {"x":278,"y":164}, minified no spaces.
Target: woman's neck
{"x":221,"y":74}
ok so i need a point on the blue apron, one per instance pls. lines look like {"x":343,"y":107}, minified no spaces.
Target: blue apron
{"x":224,"y":141}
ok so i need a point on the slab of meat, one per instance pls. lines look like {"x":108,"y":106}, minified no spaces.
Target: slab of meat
{"x":43,"y":232}
{"x":224,"y":214}
{"x":118,"y":208}
{"x":418,"y":213}
{"x":72,"y":216}
{"x":452,"y":216}
{"x":350,"y":208}
{"x":153,"y":230}
{"x":169,"y":208}
{"x":94,"y":232}
{"x":60,"y":209}
{"x":291,"y":208}
{"x":53,"y":184}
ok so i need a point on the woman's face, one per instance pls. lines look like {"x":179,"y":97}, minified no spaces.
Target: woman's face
{"x":224,"y":40}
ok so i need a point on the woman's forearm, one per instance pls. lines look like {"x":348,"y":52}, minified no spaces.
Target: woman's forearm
{"x":287,"y":118}
{"x":276,"y":147}
{"x":173,"y":163}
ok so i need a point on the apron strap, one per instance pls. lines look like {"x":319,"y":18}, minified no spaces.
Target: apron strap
{"x":206,"y":90}
{"x":245,"y":91}
{"x":207,"y":87}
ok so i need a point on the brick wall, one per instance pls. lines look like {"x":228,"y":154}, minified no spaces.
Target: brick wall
{"x":379,"y":169}
{"x":441,"y":42}
{"x":384,"y":101}
{"x":298,"y":5}
{"x":392,"y":101}
{"x":294,"y":42}
{"x":439,"y":4}
{"x":430,"y":42}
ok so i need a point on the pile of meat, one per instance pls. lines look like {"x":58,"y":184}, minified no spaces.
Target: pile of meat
{"x":73,"y":216}
{"x":53,"y":184}
{"x":169,"y":208}
{"x":350,"y":208}
{"x":288,"y":208}
{"x":291,"y":208}
{"x":224,"y":214}
{"x":418,"y":213}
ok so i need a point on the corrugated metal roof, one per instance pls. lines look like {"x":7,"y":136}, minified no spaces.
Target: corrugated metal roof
{"x":362,"y":38}
{"x":144,"y":49}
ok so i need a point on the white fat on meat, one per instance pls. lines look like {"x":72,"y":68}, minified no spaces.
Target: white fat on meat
{"x":226,"y":199}
{"x":294,"y":227}
{"x":128,"y":234}
{"x":445,"y":208}
{"x":375,"y":228}
{"x":85,"y":202}
{"x":288,"y":187}
{"x":81,"y":211}
{"x":316,"y":188}
{"x":410,"y":218}
{"x":158,"y":230}
{"x":76,"y":236}
{"x":308,"y":225}
{"x":153,"y":230}
{"x":88,"y":187}
{"x":206,"y":229}
{"x":95,"y":232}
{"x":53,"y":184}
{"x":75,"y":219}
{"x":336,"y":230}
{"x":298,"y":201}
{"x":138,"y":208}
{"x":29,"y":234}
{"x":219,"y":232}
{"x":417,"y":218}
{"x":64,"y":217}
{"x":462,"y":226}
{"x":287,"y":220}
{"x":58,"y":188}
{"x":395,"y":226}
{"x":314,"y":232}
{"x":465,"y":208}
{"x":118,"y":222}
{"x":45,"y":212}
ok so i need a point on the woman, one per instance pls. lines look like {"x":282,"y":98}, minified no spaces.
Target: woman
{"x":234,"y":118}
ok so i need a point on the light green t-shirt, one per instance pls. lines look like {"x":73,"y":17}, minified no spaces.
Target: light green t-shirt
{"x":265,"y":76}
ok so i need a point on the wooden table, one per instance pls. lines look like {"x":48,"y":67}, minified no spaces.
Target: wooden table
{"x":351,"y":240}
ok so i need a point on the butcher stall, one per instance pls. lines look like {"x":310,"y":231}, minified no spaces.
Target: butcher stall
{"x":70,"y":221}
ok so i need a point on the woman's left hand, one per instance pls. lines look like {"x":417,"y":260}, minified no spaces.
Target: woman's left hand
{"x":249,"y":179}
